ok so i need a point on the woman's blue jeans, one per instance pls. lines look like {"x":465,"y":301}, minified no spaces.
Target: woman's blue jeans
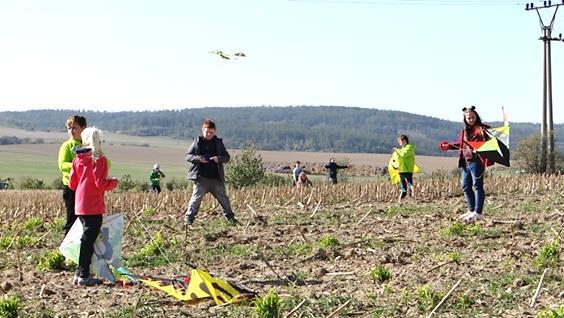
{"x":473,"y":185}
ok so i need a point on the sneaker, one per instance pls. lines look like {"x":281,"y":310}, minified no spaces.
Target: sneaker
{"x":473,"y":217}
{"x":465,"y":215}
{"x":88,"y":281}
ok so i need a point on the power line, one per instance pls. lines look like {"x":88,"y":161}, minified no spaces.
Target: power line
{"x":418,"y":2}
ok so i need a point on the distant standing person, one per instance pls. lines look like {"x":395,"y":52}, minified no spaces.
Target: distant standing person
{"x":296,"y":172}
{"x":472,"y":166}
{"x":75,"y":125}
{"x":89,"y":178}
{"x":332,"y":168}
{"x":207,"y":155}
{"x":406,"y":164}
{"x":155,"y":178}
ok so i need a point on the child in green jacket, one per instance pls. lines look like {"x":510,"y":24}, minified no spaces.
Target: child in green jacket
{"x":75,"y":124}
{"x":406,"y":164}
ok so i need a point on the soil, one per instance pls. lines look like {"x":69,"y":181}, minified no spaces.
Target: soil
{"x":496,"y":267}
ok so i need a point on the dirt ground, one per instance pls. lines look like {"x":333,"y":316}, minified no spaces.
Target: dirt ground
{"x":320,"y":252}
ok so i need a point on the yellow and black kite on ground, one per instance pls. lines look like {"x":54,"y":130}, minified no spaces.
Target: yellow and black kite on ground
{"x":200,"y":286}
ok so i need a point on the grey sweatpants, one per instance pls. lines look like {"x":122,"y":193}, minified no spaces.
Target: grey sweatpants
{"x":214,"y":186}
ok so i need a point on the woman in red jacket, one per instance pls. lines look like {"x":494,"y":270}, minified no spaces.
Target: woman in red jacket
{"x":472,"y":166}
{"x":89,"y":179}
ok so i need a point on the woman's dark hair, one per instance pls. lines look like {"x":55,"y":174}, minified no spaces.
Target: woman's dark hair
{"x":478,"y":119}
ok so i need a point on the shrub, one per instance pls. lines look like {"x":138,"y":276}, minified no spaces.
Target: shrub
{"x":57,"y":184}
{"x":276,"y":180}
{"x":126,"y":183}
{"x":174,"y":184}
{"x":268,"y":306}
{"x":28,"y":183}
{"x":528,"y":152}
{"x":245,"y":169}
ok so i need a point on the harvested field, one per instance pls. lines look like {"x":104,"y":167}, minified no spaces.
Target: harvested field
{"x":324,"y":246}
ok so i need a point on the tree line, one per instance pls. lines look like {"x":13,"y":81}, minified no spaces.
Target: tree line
{"x":292,"y":128}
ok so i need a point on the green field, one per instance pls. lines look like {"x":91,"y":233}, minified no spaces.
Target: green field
{"x":17,"y":165}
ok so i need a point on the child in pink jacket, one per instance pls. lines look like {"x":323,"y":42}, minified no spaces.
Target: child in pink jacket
{"x":89,"y":179}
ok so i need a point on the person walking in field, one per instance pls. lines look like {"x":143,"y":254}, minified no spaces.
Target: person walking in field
{"x":406,"y":165}
{"x":155,"y":178}
{"x":472,"y":166}
{"x":207,"y":154}
{"x":332,"y":168}
{"x":75,"y":125}
{"x":296,"y":172}
{"x":89,"y":178}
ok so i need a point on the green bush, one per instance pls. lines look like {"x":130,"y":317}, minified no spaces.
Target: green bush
{"x":28,"y":183}
{"x":245,"y":169}
{"x":276,"y":180}
{"x":57,"y":184}
{"x":126,"y":183}
{"x":528,"y":153}
{"x":177,"y":184}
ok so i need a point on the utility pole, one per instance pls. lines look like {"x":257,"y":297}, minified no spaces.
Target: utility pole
{"x":547,"y":124}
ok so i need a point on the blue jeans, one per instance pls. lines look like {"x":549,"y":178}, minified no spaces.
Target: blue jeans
{"x":473,"y":185}
{"x":214,"y":186}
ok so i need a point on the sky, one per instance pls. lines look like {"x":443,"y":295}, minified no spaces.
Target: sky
{"x":428,"y":57}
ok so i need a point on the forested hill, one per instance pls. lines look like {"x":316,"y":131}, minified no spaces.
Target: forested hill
{"x":303,"y":128}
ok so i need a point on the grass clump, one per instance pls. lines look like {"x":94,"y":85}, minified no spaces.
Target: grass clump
{"x":9,"y":306}
{"x":152,"y":254}
{"x":549,"y":255}
{"x":268,"y":306}
{"x":557,"y":312}
{"x":428,"y":298}
{"x":50,"y":260}
{"x":329,"y":242}
{"x":455,"y":257}
{"x":32,"y":224}
{"x":455,"y":229}
{"x":17,"y":242}
{"x":380,"y":273}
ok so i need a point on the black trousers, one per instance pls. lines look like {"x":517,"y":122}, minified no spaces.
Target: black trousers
{"x":91,"y":225}
{"x":406,"y":179}
{"x":68,"y":197}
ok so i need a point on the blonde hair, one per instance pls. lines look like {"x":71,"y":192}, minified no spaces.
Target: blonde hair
{"x":91,"y":138}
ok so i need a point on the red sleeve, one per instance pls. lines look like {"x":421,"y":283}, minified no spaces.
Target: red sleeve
{"x":101,"y":180}
{"x":73,"y":179}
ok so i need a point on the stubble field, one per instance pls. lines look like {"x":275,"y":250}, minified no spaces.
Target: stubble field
{"x":350,"y":246}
